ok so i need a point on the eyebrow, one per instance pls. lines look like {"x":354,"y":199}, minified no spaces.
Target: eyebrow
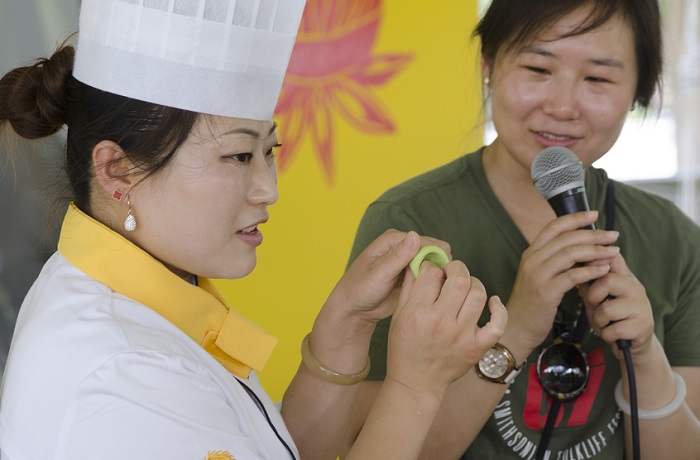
{"x":607,"y":62}
{"x":250,"y":132}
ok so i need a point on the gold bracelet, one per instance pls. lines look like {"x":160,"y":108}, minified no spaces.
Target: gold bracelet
{"x":326,"y":374}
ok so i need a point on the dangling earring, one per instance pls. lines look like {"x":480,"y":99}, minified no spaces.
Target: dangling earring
{"x":487,"y":81}
{"x":130,"y":221}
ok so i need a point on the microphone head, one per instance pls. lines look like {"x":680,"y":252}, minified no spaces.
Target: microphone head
{"x":555,"y":170}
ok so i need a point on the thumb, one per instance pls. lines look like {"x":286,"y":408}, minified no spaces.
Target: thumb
{"x":492,"y":331}
{"x":394,"y":260}
{"x":618,"y":265}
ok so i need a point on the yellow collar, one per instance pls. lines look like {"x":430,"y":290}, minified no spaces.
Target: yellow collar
{"x":199,"y":311}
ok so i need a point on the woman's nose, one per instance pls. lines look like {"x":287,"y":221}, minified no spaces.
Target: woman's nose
{"x":263,"y":182}
{"x":562,"y":100}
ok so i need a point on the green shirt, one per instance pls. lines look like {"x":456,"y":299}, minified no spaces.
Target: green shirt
{"x":659,"y":243}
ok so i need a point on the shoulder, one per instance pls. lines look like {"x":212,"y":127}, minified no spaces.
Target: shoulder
{"x":636,"y":207}
{"x":66,"y":306}
{"x":439,"y":180}
{"x":71,"y":319}
{"x":426,"y":203}
{"x":652,"y":213}
{"x":85,"y":357}
{"x":71,"y":327}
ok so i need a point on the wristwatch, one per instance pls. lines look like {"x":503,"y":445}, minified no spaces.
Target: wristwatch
{"x":498,"y":365}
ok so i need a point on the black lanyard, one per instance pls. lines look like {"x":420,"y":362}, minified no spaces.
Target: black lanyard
{"x":259,"y":403}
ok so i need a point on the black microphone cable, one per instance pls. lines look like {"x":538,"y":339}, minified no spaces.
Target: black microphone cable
{"x":624,"y":344}
{"x":634,"y":410}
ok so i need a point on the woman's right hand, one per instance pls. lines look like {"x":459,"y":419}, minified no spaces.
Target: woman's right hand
{"x":434,"y":338}
{"x":561,"y":257}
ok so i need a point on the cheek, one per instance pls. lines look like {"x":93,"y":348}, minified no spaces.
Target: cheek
{"x":513,"y":100}
{"x":272,"y":166}
{"x":605,"y":123}
{"x":608,"y":115}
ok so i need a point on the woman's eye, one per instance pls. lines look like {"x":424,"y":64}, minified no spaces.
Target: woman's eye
{"x":271,"y":152}
{"x":245,"y":158}
{"x":538,"y":70}
{"x":597,"y":79}
{"x":241,"y":157}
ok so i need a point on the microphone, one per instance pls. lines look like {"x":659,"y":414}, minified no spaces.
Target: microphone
{"x":557,"y":174}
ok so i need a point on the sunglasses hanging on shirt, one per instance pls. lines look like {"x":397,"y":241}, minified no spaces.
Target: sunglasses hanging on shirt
{"x":562,"y":370}
{"x":562,"y":367}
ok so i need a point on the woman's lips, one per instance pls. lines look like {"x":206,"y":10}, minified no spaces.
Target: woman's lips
{"x":546,"y":139}
{"x":251,"y":236}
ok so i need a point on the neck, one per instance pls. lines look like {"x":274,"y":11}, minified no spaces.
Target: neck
{"x":189,"y":277}
{"x":512,"y":185}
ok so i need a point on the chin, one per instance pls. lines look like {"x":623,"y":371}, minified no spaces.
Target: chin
{"x":237,"y":271}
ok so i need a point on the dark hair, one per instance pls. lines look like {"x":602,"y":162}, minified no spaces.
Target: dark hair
{"x":511,"y":23}
{"x":38,"y":100}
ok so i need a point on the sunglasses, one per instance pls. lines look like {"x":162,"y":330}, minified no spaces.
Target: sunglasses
{"x":562,"y":367}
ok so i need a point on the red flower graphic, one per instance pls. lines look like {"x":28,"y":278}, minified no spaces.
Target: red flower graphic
{"x":332,"y":70}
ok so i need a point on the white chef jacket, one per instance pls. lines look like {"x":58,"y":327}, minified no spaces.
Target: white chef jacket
{"x":94,"y":374}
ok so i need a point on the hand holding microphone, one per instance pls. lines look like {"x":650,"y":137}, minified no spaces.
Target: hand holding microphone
{"x":557,"y":174}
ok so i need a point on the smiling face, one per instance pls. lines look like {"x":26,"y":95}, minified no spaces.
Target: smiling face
{"x":573,"y":92}
{"x":201,"y":214}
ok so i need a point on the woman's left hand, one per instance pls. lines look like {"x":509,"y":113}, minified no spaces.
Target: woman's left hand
{"x":618,"y":308}
{"x":369,"y":288}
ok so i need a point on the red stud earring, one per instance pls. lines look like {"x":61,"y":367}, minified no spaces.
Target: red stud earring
{"x":117,"y":195}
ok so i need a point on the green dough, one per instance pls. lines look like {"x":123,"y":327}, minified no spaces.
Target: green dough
{"x":431,"y":253}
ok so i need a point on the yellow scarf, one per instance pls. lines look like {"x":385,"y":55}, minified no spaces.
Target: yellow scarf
{"x":199,"y":311}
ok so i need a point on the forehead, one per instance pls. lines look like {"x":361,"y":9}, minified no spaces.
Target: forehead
{"x":571,"y":37}
{"x":581,"y":22}
{"x":210,"y":127}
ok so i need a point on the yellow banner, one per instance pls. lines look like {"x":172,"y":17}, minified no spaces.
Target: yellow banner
{"x":377,"y":91}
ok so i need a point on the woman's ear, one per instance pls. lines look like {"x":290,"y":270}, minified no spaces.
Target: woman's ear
{"x":112,"y":169}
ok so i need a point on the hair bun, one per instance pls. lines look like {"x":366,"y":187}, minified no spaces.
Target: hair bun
{"x":33,"y":99}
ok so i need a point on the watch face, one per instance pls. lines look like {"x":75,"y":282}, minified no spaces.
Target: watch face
{"x":494,"y":364}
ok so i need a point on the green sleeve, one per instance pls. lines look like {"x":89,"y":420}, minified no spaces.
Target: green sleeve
{"x":379,"y":217}
{"x":681,"y":332}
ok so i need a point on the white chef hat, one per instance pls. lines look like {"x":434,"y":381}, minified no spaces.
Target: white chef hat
{"x":220,"y":57}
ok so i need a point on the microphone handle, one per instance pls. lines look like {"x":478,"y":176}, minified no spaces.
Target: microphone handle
{"x":572,"y":201}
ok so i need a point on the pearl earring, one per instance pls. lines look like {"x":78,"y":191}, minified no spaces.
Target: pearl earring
{"x":130,"y":221}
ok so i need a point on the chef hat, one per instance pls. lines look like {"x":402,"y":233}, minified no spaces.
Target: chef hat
{"x":220,"y":57}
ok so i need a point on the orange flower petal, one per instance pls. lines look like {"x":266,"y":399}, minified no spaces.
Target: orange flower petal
{"x":362,"y":108}
{"x":380,"y":69}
